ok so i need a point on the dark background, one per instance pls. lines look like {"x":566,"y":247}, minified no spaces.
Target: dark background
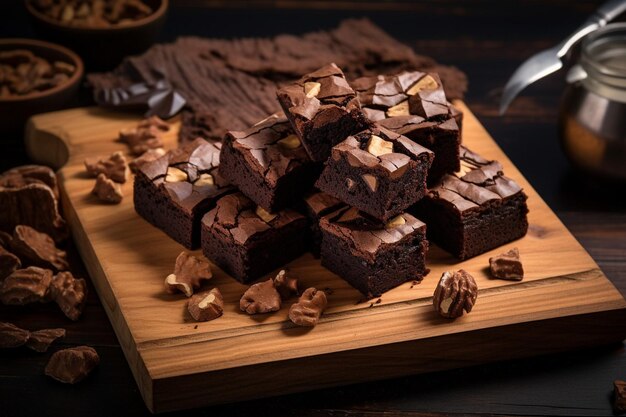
{"x":487,"y":40}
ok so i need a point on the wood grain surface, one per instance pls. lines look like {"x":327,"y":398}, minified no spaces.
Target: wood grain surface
{"x":356,"y":340}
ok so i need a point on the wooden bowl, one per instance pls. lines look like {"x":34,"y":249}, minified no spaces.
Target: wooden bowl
{"x":15,"y":110}
{"x":103,"y":48}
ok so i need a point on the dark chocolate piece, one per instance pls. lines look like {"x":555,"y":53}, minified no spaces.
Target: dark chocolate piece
{"x":507,"y":266}
{"x":475,"y":210}
{"x":414,"y":104}
{"x":315,"y":206}
{"x":371,"y":257}
{"x":377,"y":171}
{"x":246,"y":241}
{"x":268,"y":163}
{"x":176,"y":190}
{"x":323,"y":110}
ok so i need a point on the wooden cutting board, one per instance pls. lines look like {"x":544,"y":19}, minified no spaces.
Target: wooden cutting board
{"x":564,"y":301}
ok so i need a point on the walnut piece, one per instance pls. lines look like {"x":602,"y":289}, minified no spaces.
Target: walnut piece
{"x":286,"y":285}
{"x":312,"y":89}
{"x":309,"y":308}
{"x":72,"y":365}
{"x":619,"y":392}
{"x":378,"y":146}
{"x":154,"y":121}
{"x":395,"y":222}
{"x":260,"y":298}
{"x":264,"y":215}
{"x":206,"y":305}
{"x":456,"y":291}
{"x":115,"y":167}
{"x":148,"y":156}
{"x":25,"y":286}
{"x":40,"y":340}
{"x":69,"y":293}
{"x":507,"y":266}
{"x":290,"y":142}
{"x":142,"y":139}
{"x":9,"y":263}
{"x":12,"y":336}
{"x":400,"y":109}
{"x":38,"y":249}
{"x":176,"y":175}
{"x":107,"y":191}
{"x":189,"y":273}
{"x":204,"y":180}
{"x":425,"y":83}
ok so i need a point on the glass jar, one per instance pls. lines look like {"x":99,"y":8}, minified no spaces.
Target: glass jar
{"x":593,"y":110}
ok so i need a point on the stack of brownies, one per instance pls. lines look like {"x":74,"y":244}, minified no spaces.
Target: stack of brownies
{"x":342,"y":173}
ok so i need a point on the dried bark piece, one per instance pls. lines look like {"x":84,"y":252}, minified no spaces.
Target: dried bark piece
{"x":35,"y":248}
{"x":25,"y":286}
{"x":9,"y":263}
{"x":206,"y":305}
{"x":309,"y":308}
{"x":148,"y":156}
{"x":286,"y":285}
{"x":40,"y":340}
{"x":456,"y":291}
{"x":507,"y":266}
{"x":69,"y":293}
{"x":115,"y":167}
{"x":107,"y":191}
{"x":189,"y":273}
{"x":72,"y":365}
{"x":260,"y":298}
{"x":12,"y":336}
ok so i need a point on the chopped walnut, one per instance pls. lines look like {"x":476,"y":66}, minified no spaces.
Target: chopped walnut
{"x":619,"y":392}
{"x":286,"y":285}
{"x":9,"y":263}
{"x":189,"y":273}
{"x":69,"y":293}
{"x":156,"y":122}
{"x":38,"y":249}
{"x":12,"y":336}
{"x":140,"y":140}
{"x":40,"y":340}
{"x":107,"y":190}
{"x":72,"y":365}
{"x":309,"y":308}
{"x":25,"y":286}
{"x":456,"y":291}
{"x":206,"y":305}
{"x":507,"y":266}
{"x":260,"y":298}
{"x":148,"y":156}
{"x":115,"y":167}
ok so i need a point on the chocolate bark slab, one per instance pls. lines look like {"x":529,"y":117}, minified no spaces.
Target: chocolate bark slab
{"x":316,"y":205}
{"x":176,"y":190}
{"x":370,"y":256}
{"x":323,"y":110}
{"x":247,"y":241}
{"x":414,"y":104}
{"x":475,"y":210}
{"x":268,"y":163}
{"x":377,"y":171}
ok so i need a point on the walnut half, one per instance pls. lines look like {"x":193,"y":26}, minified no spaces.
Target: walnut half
{"x":189,"y":273}
{"x":456,"y":291}
{"x":260,"y":298}
{"x":206,"y":305}
{"x":309,"y":308}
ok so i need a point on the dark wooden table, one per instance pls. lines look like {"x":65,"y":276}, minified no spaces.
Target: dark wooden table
{"x":487,"y":39}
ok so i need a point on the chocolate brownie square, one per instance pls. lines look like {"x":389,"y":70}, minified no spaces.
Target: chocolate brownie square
{"x":377,"y":171}
{"x":370,"y":256}
{"x":315,"y":206}
{"x":475,"y":210}
{"x":414,"y":104}
{"x":176,"y":190}
{"x":323,"y":110}
{"x":268,"y":163}
{"x":247,"y":242}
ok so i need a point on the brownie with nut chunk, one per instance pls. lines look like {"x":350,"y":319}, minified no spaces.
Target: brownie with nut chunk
{"x":176,"y":190}
{"x":323,"y":110}
{"x":475,"y":210}
{"x":316,"y":205}
{"x":370,"y":256}
{"x":246,"y":241}
{"x":268,"y":163}
{"x":377,"y":171}
{"x":414,"y":104}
